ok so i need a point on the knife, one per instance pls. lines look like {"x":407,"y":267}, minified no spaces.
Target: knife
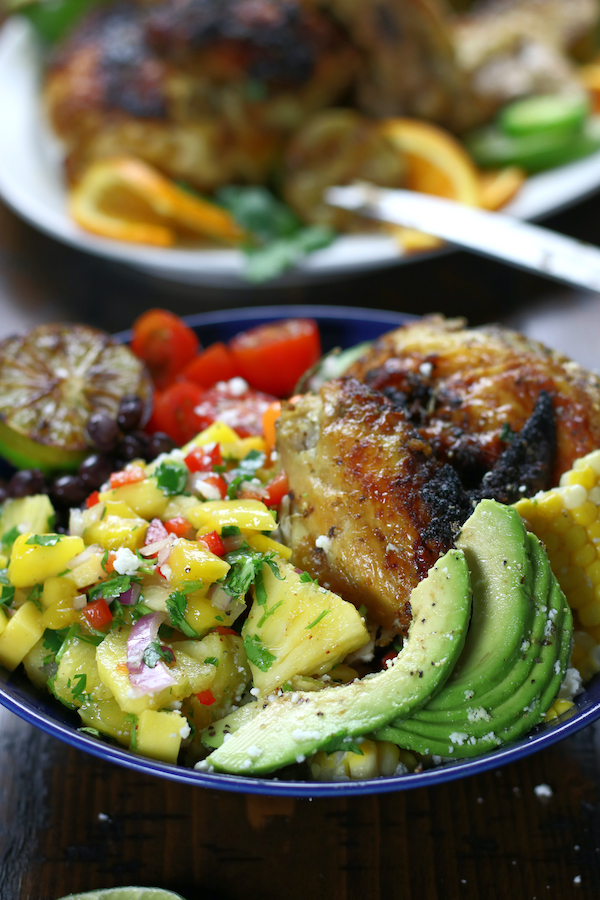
{"x":492,"y":234}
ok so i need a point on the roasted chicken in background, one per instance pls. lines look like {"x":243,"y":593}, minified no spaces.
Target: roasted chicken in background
{"x":210,"y":92}
{"x":384,"y":464}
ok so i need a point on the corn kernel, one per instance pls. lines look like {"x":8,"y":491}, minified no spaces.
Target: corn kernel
{"x":388,"y":755}
{"x":575,"y":538}
{"x":562,"y":523}
{"x":590,"y":615}
{"x":586,"y":514}
{"x":551,"y":541}
{"x":594,"y":532}
{"x":549,"y":507}
{"x":365,"y":765}
{"x":585,"y":476}
{"x":584,"y":557}
{"x":593,"y":572}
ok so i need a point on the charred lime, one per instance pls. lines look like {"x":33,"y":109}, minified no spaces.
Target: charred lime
{"x":52,"y":380}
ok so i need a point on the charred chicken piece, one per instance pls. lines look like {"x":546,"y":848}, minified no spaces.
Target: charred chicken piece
{"x":371,"y":508}
{"x":206,"y":90}
{"x":462,"y":389}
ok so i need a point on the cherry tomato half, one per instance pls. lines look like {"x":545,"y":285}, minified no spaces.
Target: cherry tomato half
{"x":217,"y":363}
{"x":241,"y":411}
{"x":273,"y":357}
{"x":174,"y":413}
{"x":165,"y":343}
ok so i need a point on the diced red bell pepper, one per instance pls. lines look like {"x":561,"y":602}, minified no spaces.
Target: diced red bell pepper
{"x":224,"y":629}
{"x":276,"y":490}
{"x":213,"y":541}
{"x":204,"y":459}
{"x":92,"y":499}
{"x":178,"y":526}
{"x":98,"y":614}
{"x":127,"y":476}
{"x":207,"y":698}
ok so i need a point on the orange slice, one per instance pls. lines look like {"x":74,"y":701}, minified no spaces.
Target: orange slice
{"x":125,"y":199}
{"x":436,"y":163}
{"x":500,"y":186}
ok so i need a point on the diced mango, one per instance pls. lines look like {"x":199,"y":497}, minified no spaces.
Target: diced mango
{"x":201,"y":615}
{"x":145,"y":498}
{"x":22,"y":631}
{"x":265,"y":544}
{"x":217,"y":433}
{"x":190,"y":675}
{"x":189,"y":561}
{"x":180,"y":506}
{"x":32,"y":563}
{"x":159,"y":734}
{"x":248,"y":515}
{"x":108,"y":718}
{"x":3,"y":620}
{"x":240,"y":448}
{"x":61,"y":614}
{"x":113,"y":532}
{"x":56,"y":588}
{"x":88,"y":572}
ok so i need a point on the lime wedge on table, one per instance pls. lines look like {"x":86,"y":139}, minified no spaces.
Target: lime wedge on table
{"x":51,"y":380}
{"x":126,"y":893}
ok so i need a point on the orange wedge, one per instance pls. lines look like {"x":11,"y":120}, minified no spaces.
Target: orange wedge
{"x":125,"y":199}
{"x":499,"y":187}
{"x":436,"y":163}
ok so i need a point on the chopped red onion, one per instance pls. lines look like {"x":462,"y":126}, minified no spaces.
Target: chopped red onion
{"x":157,"y":546}
{"x":130,"y":597}
{"x":151,"y":681}
{"x":218,"y":597}
{"x":156,"y":532}
{"x":233,"y":542}
{"x":143,"y":679}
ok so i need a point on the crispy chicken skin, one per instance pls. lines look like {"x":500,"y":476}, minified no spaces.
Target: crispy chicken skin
{"x":371,"y":509}
{"x":466,"y":389}
{"x":206,"y":90}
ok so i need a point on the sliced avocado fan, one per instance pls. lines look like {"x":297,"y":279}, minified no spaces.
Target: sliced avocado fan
{"x":499,"y":693}
{"x":297,"y":724}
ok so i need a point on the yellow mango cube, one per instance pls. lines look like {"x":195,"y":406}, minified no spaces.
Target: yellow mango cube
{"x":3,"y":620}
{"x":108,"y":717}
{"x":145,"y":498}
{"x":248,"y":515}
{"x":61,"y":614}
{"x":241,"y":447}
{"x":159,"y":734}
{"x":32,"y":563}
{"x":217,"y":433}
{"x":57,"y":588}
{"x":88,"y":572}
{"x":201,"y":615}
{"x":265,"y":544}
{"x":113,"y":532}
{"x":22,"y":631}
{"x":189,"y":561}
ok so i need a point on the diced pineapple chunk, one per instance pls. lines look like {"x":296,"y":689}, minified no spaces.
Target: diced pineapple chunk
{"x":32,"y":563}
{"x":190,"y":675}
{"x":113,"y":532}
{"x":248,"y":515}
{"x":34,"y":660}
{"x":189,"y":561}
{"x":159,"y":734}
{"x":108,"y":718}
{"x":201,"y":615}
{"x":22,"y":631}
{"x":145,"y":498}
{"x":232,"y":674}
{"x":77,"y":679}
{"x":88,"y":572}
{"x":302,"y":629}
{"x":180,"y":506}
{"x":3,"y":620}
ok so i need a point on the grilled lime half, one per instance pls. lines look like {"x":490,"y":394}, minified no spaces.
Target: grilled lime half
{"x":126,"y":893}
{"x":51,"y":381}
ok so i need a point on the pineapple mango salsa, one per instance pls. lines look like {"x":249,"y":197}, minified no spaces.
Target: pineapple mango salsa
{"x":128,"y":619}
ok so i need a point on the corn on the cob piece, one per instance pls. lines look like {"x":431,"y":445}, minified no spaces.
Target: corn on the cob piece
{"x":376,"y":758}
{"x":567,"y":520}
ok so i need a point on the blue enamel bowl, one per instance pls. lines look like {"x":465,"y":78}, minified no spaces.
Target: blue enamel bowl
{"x":342,"y":327}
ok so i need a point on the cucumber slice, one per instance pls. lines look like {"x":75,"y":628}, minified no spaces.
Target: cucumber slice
{"x":491,"y":148}
{"x":51,"y":381}
{"x":539,"y":115}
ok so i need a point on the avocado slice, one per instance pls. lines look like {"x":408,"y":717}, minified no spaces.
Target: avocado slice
{"x":516,"y":703}
{"x":298,"y":724}
{"x":494,"y":543}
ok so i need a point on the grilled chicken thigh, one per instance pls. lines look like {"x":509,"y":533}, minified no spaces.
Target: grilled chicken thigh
{"x":206,"y":90}
{"x":371,"y":509}
{"x":467,"y":390}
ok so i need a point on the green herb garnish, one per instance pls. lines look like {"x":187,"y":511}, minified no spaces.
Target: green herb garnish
{"x":257,"y":653}
{"x":44,"y":540}
{"x":172,"y":476}
{"x":177,"y":607}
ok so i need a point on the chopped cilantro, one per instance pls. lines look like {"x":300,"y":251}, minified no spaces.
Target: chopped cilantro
{"x":78,"y":690}
{"x":7,"y":591}
{"x":362,"y":611}
{"x":230,"y":530}
{"x":8,"y":539}
{"x":104,"y":560}
{"x":52,"y":642}
{"x":258,"y":654}
{"x":188,"y":587}
{"x":260,"y":589}
{"x":87,"y":729}
{"x":506,"y":433}
{"x":112,"y":587}
{"x":308,"y":579}
{"x":44,"y":540}
{"x":172,"y":476}
{"x":318,"y":619}
{"x":34,"y":595}
{"x":176,"y":607}
{"x":139,"y":610}
{"x":341,"y":741}
{"x":245,"y":566}
{"x":212,"y":661}
{"x":155,"y":652}
{"x":133,"y":719}
{"x":267,"y":613}
{"x":245,"y":472}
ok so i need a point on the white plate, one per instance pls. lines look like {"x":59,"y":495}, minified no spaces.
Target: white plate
{"x":31,"y":182}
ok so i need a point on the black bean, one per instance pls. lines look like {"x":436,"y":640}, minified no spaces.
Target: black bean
{"x":96,"y":469}
{"x":158,"y":443}
{"x":103,"y":432}
{"x":130,"y":413}
{"x":69,"y":490}
{"x":3,"y":491}
{"x":132,"y":447}
{"x":27,"y":482}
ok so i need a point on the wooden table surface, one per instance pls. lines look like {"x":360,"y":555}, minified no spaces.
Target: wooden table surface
{"x":69,"y":822}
